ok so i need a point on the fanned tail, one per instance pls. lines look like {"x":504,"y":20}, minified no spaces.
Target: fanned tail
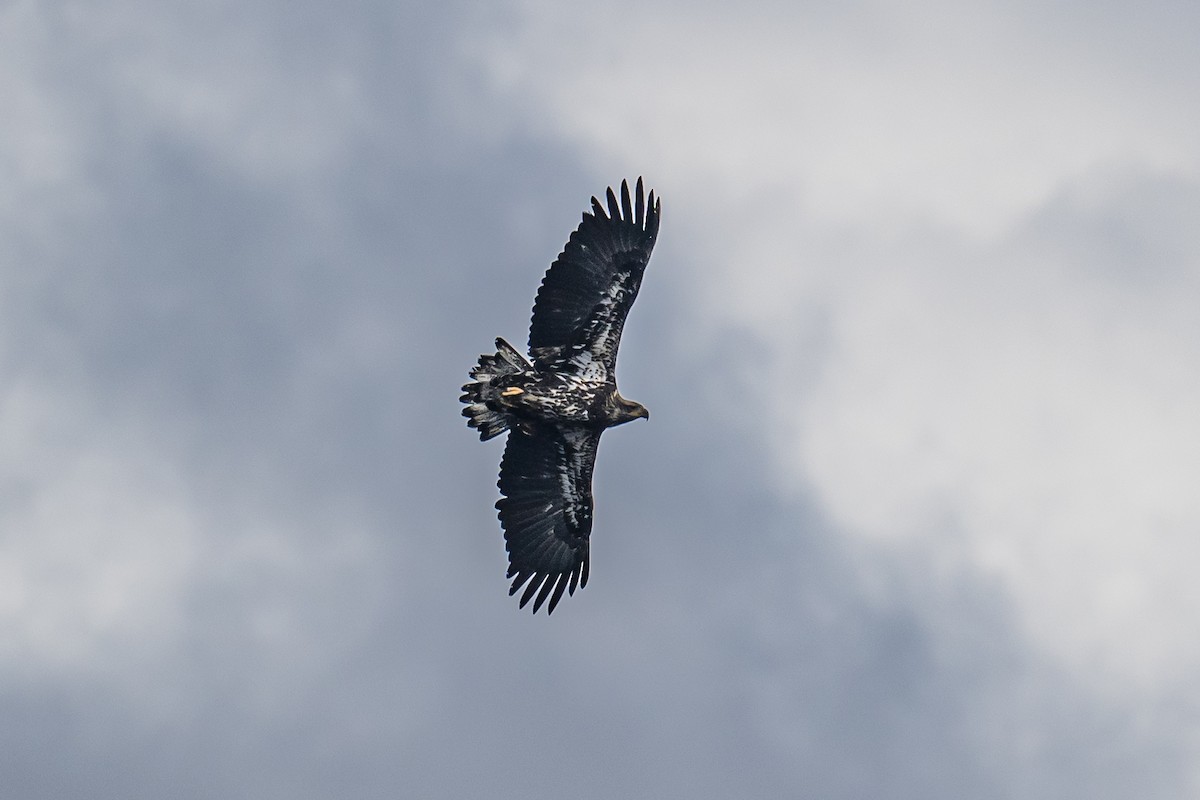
{"x":476,"y":394}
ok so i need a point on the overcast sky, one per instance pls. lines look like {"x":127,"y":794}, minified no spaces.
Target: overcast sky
{"x":916,"y":515}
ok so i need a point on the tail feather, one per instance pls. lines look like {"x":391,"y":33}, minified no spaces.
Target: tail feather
{"x":506,"y":361}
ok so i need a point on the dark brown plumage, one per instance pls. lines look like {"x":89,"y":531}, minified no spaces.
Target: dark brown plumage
{"x":557,"y":405}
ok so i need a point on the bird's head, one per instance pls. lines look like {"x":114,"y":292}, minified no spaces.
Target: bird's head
{"x":627,"y":410}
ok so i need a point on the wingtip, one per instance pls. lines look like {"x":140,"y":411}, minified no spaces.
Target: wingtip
{"x":534,"y":585}
{"x":519,"y":577}
{"x":547,"y":586}
{"x":632,"y":206}
{"x":559,"y":586}
{"x":614,"y":211}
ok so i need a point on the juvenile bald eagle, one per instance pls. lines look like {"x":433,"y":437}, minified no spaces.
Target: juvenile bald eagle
{"x":557,"y":406}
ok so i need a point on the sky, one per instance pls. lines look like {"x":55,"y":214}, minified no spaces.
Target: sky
{"x":915,"y":515}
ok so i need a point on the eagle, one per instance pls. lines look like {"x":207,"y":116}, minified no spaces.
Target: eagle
{"x":556,"y":403}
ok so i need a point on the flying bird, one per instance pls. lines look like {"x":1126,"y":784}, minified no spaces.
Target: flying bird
{"x":556,"y":403}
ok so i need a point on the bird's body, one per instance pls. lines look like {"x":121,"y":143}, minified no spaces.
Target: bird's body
{"x":557,"y":404}
{"x":531,"y":396}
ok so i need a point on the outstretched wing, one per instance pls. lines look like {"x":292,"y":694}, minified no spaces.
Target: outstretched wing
{"x":587,"y":292}
{"x":546,"y":511}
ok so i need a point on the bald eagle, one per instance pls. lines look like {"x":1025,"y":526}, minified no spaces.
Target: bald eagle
{"x":558,"y":402}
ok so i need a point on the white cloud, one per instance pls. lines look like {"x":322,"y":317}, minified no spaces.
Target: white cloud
{"x":870,"y":181}
{"x":966,"y":115}
{"x":1044,"y":413}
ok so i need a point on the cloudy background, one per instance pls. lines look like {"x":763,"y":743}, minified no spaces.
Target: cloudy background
{"x":917,"y":512}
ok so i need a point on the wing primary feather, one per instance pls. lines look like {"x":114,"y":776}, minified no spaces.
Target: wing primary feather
{"x":583,"y":575}
{"x":519,"y":581}
{"x":639,"y":216}
{"x":598,"y":209}
{"x":626,"y":205}
{"x":574,"y":580}
{"x":547,"y":586}
{"x":614,"y":211}
{"x":532,"y":588}
{"x":559,"y":585}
